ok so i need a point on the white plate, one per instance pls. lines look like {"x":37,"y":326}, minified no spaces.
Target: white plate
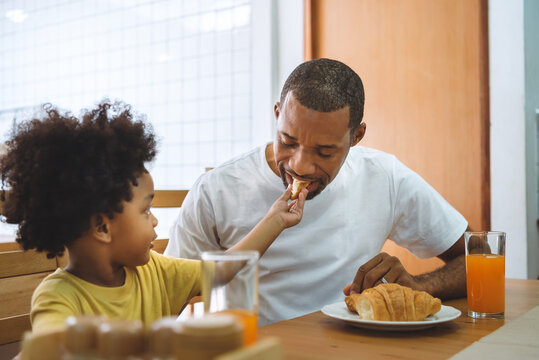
{"x":340,"y":311}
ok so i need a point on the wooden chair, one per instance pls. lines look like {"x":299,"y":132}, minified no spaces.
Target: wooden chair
{"x":21,"y":272}
{"x":167,"y":199}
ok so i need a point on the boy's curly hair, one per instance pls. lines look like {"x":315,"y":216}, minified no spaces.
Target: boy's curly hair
{"x":60,"y":171}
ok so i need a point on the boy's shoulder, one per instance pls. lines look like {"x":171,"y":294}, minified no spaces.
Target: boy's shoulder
{"x":59,"y":277}
{"x":158,"y":260}
{"x":58,"y":284}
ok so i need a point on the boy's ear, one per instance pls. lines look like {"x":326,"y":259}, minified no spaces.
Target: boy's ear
{"x":100,"y":228}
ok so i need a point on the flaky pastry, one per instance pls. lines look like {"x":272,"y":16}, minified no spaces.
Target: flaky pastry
{"x":393,"y":302}
{"x":297,"y":186}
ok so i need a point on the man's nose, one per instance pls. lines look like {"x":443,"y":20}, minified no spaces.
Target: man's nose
{"x":302,"y":163}
{"x":155,"y":221}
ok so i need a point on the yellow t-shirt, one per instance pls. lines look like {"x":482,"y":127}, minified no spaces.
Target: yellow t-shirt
{"x":159,"y":288}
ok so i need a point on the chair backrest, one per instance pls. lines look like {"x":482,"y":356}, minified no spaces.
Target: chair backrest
{"x":167,"y":199}
{"x":21,"y":272}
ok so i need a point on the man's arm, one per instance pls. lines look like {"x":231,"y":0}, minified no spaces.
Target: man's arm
{"x":447,"y":282}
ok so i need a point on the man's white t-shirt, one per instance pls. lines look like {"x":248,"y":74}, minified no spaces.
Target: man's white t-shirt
{"x":373,"y":198}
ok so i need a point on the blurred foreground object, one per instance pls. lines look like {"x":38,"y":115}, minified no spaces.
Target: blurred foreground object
{"x":214,"y":336}
{"x":230,"y":287}
{"x":80,"y":337}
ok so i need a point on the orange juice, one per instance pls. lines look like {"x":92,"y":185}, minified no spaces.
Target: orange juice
{"x":249,"y":320}
{"x":485,"y":277}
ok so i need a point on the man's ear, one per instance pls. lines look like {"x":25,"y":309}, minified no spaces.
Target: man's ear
{"x":100,"y":228}
{"x":276,"y":110}
{"x":358,"y":134}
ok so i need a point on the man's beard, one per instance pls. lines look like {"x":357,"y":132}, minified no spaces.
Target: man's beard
{"x":310,"y":194}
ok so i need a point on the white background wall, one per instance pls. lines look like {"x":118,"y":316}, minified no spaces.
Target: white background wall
{"x":290,"y":35}
{"x":507,"y":130}
{"x":280,"y":58}
{"x":531,"y":60}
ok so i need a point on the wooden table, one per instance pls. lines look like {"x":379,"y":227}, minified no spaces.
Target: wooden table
{"x":317,"y":336}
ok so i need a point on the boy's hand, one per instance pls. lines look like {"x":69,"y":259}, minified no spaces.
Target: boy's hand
{"x":280,"y":216}
{"x":289,"y":214}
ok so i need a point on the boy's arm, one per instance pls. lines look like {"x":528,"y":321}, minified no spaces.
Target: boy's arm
{"x":280,"y":216}
{"x":49,"y":313}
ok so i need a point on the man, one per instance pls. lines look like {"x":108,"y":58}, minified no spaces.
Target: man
{"x":357,"y":198}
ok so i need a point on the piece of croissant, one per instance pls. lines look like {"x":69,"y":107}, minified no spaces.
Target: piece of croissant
{"x":393,"y":302}
{"x":297,"y":186}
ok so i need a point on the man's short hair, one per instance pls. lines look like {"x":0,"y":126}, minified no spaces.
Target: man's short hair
{"x":327,"y":85}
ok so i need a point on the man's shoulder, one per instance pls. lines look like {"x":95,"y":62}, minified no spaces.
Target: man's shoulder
{"x":371,"y":157}
{"x":244,"y":173}
{"x":239,"y":168}
{"x":365,"y":161}
{"x":368,"y":153}
{"x":245,"y":160}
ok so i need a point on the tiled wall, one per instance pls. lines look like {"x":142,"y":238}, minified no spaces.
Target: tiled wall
{"x":186,"y":64}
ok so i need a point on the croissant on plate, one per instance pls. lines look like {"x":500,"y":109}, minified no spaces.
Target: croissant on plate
{"x":393,"y":302}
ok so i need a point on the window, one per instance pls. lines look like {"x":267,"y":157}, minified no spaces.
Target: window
{"x":186,"y":64}
{"x":201,"y":71}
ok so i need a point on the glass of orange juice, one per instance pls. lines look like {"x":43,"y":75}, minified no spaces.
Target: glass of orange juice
{"x":230,"y":286}
{"x":485,"y":273}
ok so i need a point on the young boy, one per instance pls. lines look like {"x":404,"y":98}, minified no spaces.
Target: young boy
{"x":83,"y":185}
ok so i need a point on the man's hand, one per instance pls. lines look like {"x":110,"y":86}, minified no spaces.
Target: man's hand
{"x":381,"y":266}
{"x":447,"y":282}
